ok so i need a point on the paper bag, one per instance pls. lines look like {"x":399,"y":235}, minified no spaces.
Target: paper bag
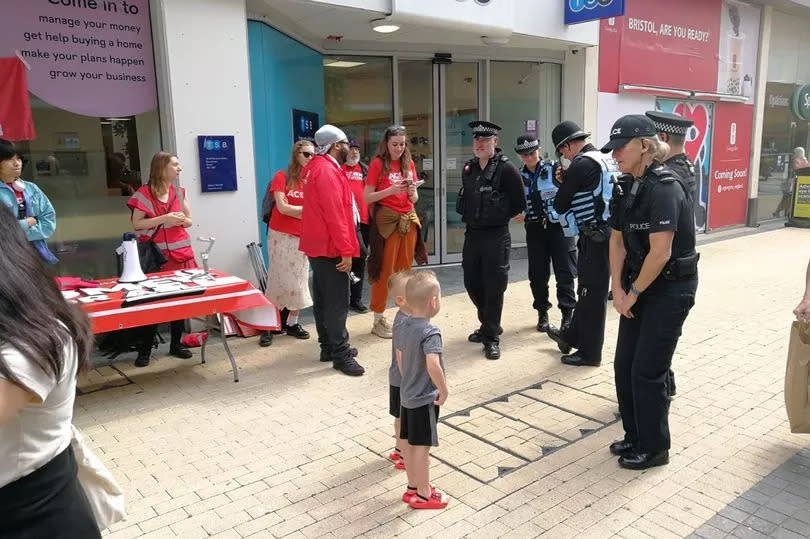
{"x":103,"y":492}
{"x":797,"y":378}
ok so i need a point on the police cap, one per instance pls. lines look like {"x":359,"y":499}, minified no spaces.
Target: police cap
{"x":666,"y":122}
{"x":627,"y":128}
{"x":526,"y":144}
{"x":482,"y":129}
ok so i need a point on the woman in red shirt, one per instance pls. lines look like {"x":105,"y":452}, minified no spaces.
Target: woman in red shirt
{"x":159,"y":208}
{"x":391,"y":188}
{"x":288,"y":278}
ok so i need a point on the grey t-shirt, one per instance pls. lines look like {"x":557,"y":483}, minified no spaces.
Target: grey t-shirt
{"x":394,"y":376}
{"x":417,"y":338}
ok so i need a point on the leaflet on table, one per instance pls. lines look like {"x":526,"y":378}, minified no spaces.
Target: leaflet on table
{"x":181,"y":280}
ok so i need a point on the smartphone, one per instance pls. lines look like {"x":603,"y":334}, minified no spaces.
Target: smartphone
{"x":418,"y":183}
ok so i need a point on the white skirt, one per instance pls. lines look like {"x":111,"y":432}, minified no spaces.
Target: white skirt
{"x":288,"y":272}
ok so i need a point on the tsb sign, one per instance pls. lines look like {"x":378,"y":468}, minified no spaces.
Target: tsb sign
{"x":577,"y":11}
{"x":578,"y":5}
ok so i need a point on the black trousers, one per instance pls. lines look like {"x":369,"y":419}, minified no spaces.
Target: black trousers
{"x":330,"y":305}
{"x":359,"y":266}
{"x":49,"y":502}
{"x":587,"y":330}
{"x":147,"y":335}
{"x":547,"y":246}
{"x":485,"y":261}
{"x":643,"y":357}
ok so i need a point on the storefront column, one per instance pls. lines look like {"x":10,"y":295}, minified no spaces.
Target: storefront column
{"x":759,"y":115}
{"x":204,"y":82}
{"x":580,"y":87}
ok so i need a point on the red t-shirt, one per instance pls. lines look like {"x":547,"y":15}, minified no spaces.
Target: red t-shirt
{"x":399,"y":203}
{"x":295,"y":197}
{"x":357,"y":184}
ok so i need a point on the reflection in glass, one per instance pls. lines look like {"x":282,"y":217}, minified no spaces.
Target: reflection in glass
{"x":88,"y":167}
{"x":416,"y":111}
{"x":359,"y":99}
{"x":461,"y":101}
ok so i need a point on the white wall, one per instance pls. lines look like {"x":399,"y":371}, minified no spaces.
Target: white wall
{"x":580,"y":87}
{"x":614,"y":106}
{"x":205,"y":43}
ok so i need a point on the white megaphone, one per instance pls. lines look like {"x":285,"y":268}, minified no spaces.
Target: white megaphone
{"x":132,"y":272}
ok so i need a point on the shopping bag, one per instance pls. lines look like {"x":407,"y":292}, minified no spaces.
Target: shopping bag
{"x":797,"y":378}
{"x":103,"y":491}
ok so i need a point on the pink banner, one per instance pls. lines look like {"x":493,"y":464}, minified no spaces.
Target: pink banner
{"x":90,"y":57}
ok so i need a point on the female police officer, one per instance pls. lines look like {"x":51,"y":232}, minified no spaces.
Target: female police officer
{"x":654,"y":279}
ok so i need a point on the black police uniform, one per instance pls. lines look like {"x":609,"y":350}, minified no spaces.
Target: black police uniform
{"x":489,"y":199}
{"x":658,"y":202}
{"x":546,"y":244}
{"x":586,"y":332}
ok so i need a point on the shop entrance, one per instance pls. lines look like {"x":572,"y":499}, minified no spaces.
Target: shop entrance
{"x":436,"y":102}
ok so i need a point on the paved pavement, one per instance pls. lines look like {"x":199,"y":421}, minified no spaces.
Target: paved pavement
{"x":298,"y":450}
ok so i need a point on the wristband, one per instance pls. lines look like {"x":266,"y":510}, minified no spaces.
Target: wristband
{"x":635,"y":291}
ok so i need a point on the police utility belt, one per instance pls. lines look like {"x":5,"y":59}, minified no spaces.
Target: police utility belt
{"x":677,"y":269}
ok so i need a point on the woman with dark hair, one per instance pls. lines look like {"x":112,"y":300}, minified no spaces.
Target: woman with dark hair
{"x":288,"y":278}
{"x":162,"y":210}
{"x":26,"y":201}
{"x":44,"y":343}
{"x":391,"y":188}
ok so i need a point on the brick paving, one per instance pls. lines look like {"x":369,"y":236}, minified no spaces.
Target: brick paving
{"x":298,"y":450}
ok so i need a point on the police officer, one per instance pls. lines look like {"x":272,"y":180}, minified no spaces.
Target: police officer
{"x":672,"y":129}
{"x":546,"y":244}
{"x":585,"y":191}
{"x":654,"y":279}
{"x":491,"y":195}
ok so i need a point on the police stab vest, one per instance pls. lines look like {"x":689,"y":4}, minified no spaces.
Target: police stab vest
{"x":590,"y":206}
{"x":540,"y":191}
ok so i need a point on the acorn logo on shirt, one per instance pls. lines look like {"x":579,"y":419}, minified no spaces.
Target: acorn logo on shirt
{"x":295,"y":194}
{"x":355,"y":176}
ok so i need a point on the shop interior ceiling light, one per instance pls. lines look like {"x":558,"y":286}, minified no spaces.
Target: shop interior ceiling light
{"x":384,"y":25}
{"x":341,"y":63}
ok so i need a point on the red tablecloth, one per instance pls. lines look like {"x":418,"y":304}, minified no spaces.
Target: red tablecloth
{"x":110,"y":314}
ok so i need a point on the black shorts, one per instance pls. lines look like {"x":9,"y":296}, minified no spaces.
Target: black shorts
{"x":418,"y":425}
{"x":393,"y":401}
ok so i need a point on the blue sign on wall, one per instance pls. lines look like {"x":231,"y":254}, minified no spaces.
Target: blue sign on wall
{"x":577,"y":11}
{"x":217,"y":163}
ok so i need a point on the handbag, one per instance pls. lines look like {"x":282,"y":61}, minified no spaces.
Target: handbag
{"x":150,"y":256}
{"x":103,"y":492}
{"x":797,"y":378}
{"x":267,"y":205}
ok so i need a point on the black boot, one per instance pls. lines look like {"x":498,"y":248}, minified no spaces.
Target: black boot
{"x":177,"y":348}
{"x":542,"y":321}
{"x":567,"y":316}
{"x":266,"y":339}
{"x":285,"y":313}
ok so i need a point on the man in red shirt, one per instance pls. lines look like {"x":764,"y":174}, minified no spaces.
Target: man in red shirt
{"x":356,"y":174}
{"x":329,"y":239}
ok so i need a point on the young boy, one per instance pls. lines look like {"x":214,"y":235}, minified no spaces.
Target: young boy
{"x":423,"y":388}
{"x":396,"y":289}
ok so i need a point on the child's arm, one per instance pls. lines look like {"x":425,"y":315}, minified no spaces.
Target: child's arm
{"x":436,"y":374}
{"x":399,"y":361}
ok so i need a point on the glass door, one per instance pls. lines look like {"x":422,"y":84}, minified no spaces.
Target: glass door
{"x":416,"y":106}
{"x":439,"y":99}
{"x":458,"y":91}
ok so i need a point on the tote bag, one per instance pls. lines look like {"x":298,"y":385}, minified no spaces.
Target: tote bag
{"x":797,"y":378}
{"x":103,"y":492}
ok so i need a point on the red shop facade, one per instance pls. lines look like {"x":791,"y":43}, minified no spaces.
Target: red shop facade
{"x":696,"y":58}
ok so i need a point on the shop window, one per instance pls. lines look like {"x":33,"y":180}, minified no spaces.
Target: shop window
{"x":525,"y":98}
{"x":786,"y":124}
{"x":89,"y":167}
{"x":359,"y":98}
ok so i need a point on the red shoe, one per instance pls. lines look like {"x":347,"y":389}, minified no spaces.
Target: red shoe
{"x":409,"y":494}
{"x":399,"y":464}
{"x":395,"y":456}
{"x":437,"y":500}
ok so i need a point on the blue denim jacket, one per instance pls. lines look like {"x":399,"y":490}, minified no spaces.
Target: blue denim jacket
{"x":38,"y":206}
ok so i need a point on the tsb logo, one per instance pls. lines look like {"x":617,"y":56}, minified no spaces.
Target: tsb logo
{"x":579,"y":5}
